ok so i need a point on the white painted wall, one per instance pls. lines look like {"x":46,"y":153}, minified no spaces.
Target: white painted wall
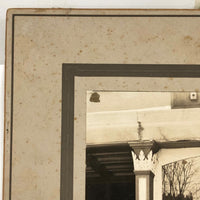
{"x":160,"y":125}
{"x":5,"y":4}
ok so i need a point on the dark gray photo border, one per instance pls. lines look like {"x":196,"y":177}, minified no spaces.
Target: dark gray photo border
{"x":70,"y":71}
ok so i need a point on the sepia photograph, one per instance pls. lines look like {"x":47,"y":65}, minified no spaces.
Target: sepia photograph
{"x":102,"y":104}
{"x":132,"y":136}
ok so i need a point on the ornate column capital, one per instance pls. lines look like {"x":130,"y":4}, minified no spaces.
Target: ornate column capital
{"x":145,"y":146}
{"x":144,"y":155}
{"x":143,"y":163}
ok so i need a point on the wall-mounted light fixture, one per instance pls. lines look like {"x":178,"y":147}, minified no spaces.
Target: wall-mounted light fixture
{"x":95,"y":97}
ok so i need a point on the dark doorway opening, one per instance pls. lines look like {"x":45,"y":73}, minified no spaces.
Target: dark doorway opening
{"x":109,"y":173}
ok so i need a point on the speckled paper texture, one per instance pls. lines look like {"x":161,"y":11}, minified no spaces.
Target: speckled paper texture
{"x":36,"y":48}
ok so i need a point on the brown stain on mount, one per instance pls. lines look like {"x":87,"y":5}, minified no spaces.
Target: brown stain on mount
{"x":188,"y":38}
{"x":151,"y":38}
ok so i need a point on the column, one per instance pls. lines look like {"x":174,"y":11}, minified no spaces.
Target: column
{"x":144,"y":161}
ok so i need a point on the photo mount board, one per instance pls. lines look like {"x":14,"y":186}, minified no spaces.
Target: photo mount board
{"x":25,"y":61}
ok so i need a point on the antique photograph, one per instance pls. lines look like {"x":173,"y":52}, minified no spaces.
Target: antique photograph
{"x":102,"y":104}
{"x":133,"y":136}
